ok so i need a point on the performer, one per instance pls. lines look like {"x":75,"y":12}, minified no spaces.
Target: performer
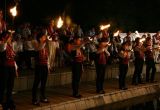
{"x":77,"y":67}
{"x":124,"y":55}
{"x":2,"y":23}
{"x":156,"y":44}
{"x":9,"y":72}
{"x":41,"y":69}
{"x":128,"y":38}
{"x":53,"y":44}
{"x":150,"y":63}
{"x":101,"y":61}
{"x":139,"y":60}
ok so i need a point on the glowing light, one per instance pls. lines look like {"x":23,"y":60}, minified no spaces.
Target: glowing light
{"x":116,"y":33}
{"x":59,"y":23}
{"x":13,"y":11}
{"x":102,"y":27}
{"x":68,"y":20}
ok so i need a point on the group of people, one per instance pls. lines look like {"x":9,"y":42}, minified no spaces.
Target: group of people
{"x":99,"y":49}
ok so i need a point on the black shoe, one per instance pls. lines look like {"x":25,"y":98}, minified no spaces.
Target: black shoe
{"x":77,"y":96}
{"x":7,"y":106}
{"x":12,"y":107}
{"x":141,"y":83}
{"x":154,"y":81}
{"x":123,"y":88}
{"x":36,"y":103}
{"x":45,"y":100}
{"x":101,"y":92}
{"x":147,"y":81}
{"x":135,"y":83}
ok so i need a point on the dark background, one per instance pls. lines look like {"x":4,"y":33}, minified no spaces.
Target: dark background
{"x":141,"y":15}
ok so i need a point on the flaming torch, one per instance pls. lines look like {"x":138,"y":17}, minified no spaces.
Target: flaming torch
{"x":103,"y":27}
{"x":59,"y":23}
{"x":13,"y":12}
{"x":116,"y":33}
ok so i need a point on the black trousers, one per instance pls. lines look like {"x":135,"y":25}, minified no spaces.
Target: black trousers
{"x":28,"y":55}
{"x":41,"y":74}
{"x":138,"y":71}
{"x":20,"y":59}
{"x":150,"y":65}
{"x":100,"y":71}
{"x":7,"y":77}
{"x":76,"y":75}
{"x":123,"y":69}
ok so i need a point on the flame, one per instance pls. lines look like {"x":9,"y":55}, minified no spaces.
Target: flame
{"x":116,"y":33}
{"x":59,"y":23}
{"x":13,"y":11}
{"x":102,"y":27}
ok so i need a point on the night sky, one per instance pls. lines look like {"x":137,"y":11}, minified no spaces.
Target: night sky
{"x":142,"y":15}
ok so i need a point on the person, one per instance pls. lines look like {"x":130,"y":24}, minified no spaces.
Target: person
{"x":9,"y":72}
{"x":2,"y":23}
{"x":51,"y":28}
{"x":150,"y":63}
{"x":124,"y":56}
{"x":41,"y":68}
{"x":80,"y":31}
{"x":92,"y":51}
{"x":139,"y":61}
{"x":101,"y":61}
{"x":29,"y":52}
{"x":18,"y":47}
{"x":26,"y":31}
{"x":53,"y":44}
{"x":156,"y":44}
{"x":128,"y":38}
{"x":77,"y":67}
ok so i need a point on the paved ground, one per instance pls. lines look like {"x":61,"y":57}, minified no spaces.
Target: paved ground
{"x":63,"y":94}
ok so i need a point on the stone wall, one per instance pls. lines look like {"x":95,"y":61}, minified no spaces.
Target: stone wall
{"x":57,"y":79}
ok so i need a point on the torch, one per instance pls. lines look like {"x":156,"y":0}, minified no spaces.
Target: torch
{"x":103,"y":27}
{"x":59,"y":23}
{"x":13,"y":12}
{"x":116,"y":33}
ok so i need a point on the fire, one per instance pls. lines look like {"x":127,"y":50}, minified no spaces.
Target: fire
{"x":13,"y":11}
{"x":59,"y":23}
{"x":102,"y":27}
{"x":116,"y":33}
